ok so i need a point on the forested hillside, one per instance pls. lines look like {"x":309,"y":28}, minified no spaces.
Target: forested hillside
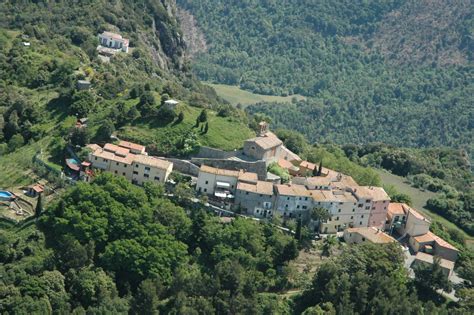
{"x":392,"y":71}
{"x":46,"y":47}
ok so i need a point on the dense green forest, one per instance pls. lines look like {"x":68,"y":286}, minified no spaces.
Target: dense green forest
{"x":393,"y":71}
{"x":112,"y":247}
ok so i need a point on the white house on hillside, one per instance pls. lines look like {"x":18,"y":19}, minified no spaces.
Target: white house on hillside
{"x":113,"y":41}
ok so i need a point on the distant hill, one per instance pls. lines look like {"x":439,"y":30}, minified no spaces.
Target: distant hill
{"x":394,"y":71}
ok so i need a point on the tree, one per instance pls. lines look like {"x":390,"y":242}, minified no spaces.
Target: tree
{"x":329,"y":242}
{"x":180,"y":117}
{"x":203,"y":116}
{"x":298,"y":229}
{"x":146,"y":298}
{"x":196,"y":125}
{"x":39,"y":206}
{"x":105,"y":130}
{"x":82,"y":103}
{"x":319,"y":214}
{"x":15,"y":142}
{"x":320,"y":168}
{"x":206,"y":128}
{"x":183,"y":191}
{"x":147,"y":105}
{"x":164,"y":97}
{"x":80,"y":136}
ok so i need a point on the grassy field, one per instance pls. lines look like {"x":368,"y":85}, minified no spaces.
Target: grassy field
{"x":419,"y":199}
{"x":234,"y":95}
{"x":224,"y":132}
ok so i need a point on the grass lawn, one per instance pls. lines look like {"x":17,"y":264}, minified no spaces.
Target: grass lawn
{"x":419,"y":199}
{"x":225,"y":133}
{"x":234,"y":95}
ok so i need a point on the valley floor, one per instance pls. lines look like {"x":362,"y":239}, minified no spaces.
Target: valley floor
{"x":235,"y":95}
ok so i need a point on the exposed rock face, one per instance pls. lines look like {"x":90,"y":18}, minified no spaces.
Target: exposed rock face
{"x":193,"y":36}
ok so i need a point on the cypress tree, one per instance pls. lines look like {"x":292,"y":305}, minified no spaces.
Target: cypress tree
{"x":39,"y":206}
{"x":206,"y":128}
{"x":320,"y":169}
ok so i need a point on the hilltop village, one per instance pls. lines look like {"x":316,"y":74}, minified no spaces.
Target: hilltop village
{"x":239,"y":182}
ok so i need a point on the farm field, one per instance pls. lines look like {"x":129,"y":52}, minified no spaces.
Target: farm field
{"x":234,"y":95}
{"x":419,"y":199}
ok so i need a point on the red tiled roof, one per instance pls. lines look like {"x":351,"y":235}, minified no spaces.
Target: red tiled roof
{"x":431,"y":237}
{"x":131,"y":146}
{"x":38,"y":188}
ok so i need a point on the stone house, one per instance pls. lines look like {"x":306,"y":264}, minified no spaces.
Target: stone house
{"x":293,"y":201}
{"x":367,"y":234}
{"x":255,"y":198}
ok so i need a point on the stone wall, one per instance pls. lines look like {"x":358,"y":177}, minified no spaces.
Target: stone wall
{"x":184,"y":166}
{"x":211,"y":153}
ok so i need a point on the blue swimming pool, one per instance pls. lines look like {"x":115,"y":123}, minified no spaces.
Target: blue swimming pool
{"x":73,"y":161}
{"x":6,"y":195}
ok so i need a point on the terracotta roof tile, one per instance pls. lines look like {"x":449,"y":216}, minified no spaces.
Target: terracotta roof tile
{"x":131,"y":146}
{"x":218,"y":171}
{"x":292,"y":190}
{"x":372,"y":234}
{"x":260,"y":187}
{"x":151,"y":161}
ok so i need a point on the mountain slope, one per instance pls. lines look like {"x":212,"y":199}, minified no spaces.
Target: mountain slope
{"x":376,"y":71}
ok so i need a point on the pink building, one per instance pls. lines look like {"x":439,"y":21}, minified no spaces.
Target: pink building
{"x":376,"y":201}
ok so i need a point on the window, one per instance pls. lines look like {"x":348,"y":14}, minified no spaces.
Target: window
{"x":261,"y":195}
{"x":116,"y":163}
{"x":146,"y":175}
{"x":305,"y":198}
{"x":337,"y":218}
{"x":304,"y":207}
{"x":368,"y":207}
{"x":360,"y":223}
{"x":136,"y":165}
{"x":360,"y":205}
{"x":125,"y":165}
{"x":339,"y":210}
{"x":207,"y":182}
{"x":147,"y":168}
{"x":287,"y":198}
{"x":300,"y":198}
{"x":352,"y":217}
{"x":286,"y":206}
{"x":340,"y":203}
{"x":157,"y":178}
{"x":205,"y":189}
{"x":246,"y":192}
{"x":353,"y":210}
{"x":115,"y":172}
{"x":105,"y":160}
{"x":297,"y":207}
{"x":95,"y":158}
{"x":363,"y":239}
{"x":135,"y":172}
{"x":123,"y":174}
{"x":362,"y":216}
